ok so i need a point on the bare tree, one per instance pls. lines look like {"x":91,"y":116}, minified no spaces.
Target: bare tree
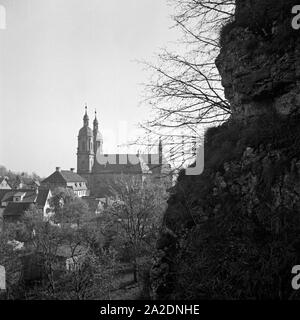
{"x":185,"y":91}
{"x":137,"y":211}
{"x":67,"y":260}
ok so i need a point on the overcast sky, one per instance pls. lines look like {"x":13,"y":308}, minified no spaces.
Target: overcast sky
{"x":57,"y":55}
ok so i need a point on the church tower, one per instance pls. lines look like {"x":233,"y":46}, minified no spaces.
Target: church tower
{"x":97,"y":137}
{"x":85,"y":150}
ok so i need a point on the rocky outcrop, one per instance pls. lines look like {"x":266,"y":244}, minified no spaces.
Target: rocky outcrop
{"x":259,"y":60}
{"x":234,"y":231}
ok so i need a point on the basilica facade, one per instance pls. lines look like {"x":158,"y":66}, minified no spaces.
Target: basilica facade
{"x":100,"y":175}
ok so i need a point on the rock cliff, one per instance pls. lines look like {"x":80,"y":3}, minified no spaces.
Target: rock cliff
{"x":233,"y":232}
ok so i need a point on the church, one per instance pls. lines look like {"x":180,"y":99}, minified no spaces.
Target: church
{"x":100,"y":170}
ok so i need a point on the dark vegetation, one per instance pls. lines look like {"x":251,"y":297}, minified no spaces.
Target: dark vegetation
{"x":238,"y":244}
{"x":77,"y":255}
{"x":227,"y":143}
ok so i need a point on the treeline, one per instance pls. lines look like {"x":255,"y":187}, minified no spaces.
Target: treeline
{"x":12,"y":175}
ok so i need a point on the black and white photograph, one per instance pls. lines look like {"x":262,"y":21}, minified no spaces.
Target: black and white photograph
{"x":149,"y":151}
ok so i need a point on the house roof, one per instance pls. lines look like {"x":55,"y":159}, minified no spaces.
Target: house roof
{"x":16,"y":208}
{"x":5,"y":179}
{"x":19,"y":194}
{"x":70,"y":176}
{"x":42,"y":197}
{"x":3,"y":193}
{"x":64,"y":176}
{"x":30,"y":196}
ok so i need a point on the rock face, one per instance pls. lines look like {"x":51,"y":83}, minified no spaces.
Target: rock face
{"x":234,"y":231}
{"x":259,"y":60}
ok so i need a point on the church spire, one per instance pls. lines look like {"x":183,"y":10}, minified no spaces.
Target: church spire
{"x":98,"y":141}
{"x":96,"y":120}
{"x":86,"y":118}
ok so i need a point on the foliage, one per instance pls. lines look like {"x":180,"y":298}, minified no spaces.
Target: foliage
{"x":136,"y":217}
{"x":91,"y":279}
{"x":48,"y":247}
{"x":68,"y":208}
{"x":9,"y":258}
{"x":239,"y":234}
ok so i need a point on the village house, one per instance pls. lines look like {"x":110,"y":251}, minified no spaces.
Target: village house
{"x":22,"y":182}
{"x":68,"y":180}
{"x":14,"y":203}
{"x":4,"y":185}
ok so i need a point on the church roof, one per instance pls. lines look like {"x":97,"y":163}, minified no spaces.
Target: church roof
{"x":119,"y":166}
{"x":130,"y":164}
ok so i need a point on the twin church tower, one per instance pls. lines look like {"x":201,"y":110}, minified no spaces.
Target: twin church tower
{"x":89,"y":143}
{"x":100,"y":176}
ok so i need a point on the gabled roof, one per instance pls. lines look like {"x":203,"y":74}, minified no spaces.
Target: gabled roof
{"x":42,"y":197}
{"x":64,"y":176}
{"x":70,"y":176}
{"x":19,"y":194}
{"x":3,"y":178}
{"x":30,"y":196}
